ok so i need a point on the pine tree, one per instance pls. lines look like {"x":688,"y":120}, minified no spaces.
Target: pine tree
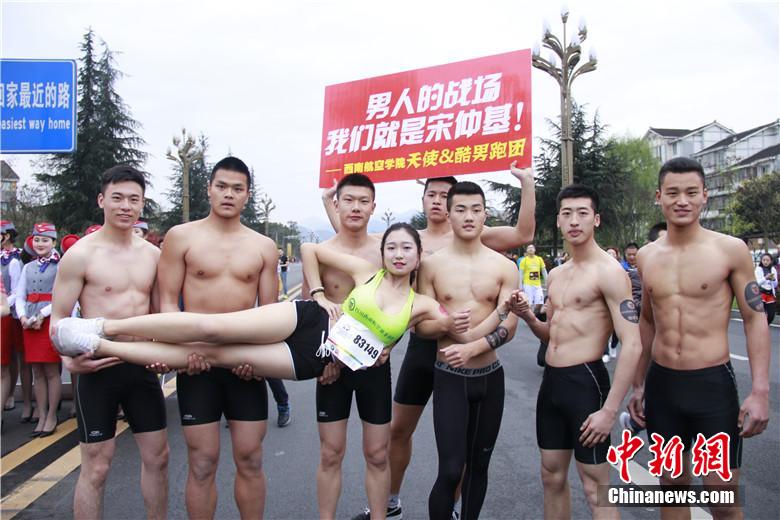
{"x":106,"y":136}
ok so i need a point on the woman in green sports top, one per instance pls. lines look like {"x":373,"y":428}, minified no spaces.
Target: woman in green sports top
{"x":288,"y":340}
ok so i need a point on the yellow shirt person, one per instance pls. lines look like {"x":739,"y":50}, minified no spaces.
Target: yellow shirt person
{"x":534,"y":271}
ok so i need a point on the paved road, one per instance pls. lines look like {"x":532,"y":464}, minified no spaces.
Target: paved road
{"x":291,"y":456}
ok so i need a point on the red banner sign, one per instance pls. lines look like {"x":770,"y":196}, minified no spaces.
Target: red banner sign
{"x":472,"y":116}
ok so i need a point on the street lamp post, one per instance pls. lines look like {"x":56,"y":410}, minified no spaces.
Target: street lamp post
{"x":569,"y":54}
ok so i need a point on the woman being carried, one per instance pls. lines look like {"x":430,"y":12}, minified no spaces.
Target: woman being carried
{"x":282,"y":340}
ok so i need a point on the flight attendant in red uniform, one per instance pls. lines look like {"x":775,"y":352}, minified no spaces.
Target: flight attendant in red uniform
{"x":33,"y":305}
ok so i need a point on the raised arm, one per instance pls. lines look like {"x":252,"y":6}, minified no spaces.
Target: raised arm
{"x":171,"y":270}
{"x":503,"y":238}
{"x":743,"y":283}
{"x":328,"y":201}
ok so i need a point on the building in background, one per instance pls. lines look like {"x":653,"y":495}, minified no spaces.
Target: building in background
{"x":728,"y":159}
{"x":9,"y":180}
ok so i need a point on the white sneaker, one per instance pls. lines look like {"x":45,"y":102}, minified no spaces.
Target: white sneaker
{"x":86,"y":325}
{"x":74,"y":336}
{"x":605,"y":358}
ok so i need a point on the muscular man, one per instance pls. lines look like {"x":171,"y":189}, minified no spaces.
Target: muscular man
{"x":689,"y":279}
{"x":468,"y":381}
{"x":112,"y":273}
{"x":415,"y":379}
{"x":589,"y":297}
{"x":219,"y":265}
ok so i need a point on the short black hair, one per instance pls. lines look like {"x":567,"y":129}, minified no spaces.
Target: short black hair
{"x":232,"y":164}
{"x":630,"y":245}
{"x":122,"y":173}
{"x":464,"y":188}
{"x":577,"y":191}
{"x":680,"y":165}
{"x":652,"y":235}
{"x":452,"y":181}
{"x":356,"y":179}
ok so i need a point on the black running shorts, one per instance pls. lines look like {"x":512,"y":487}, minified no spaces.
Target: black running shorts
{"x":372,"y":393}
{"x":311,"y":331}
{"x":99,"y":394}
{"x":688,"y":402}
{"x":567,"y":396}
{"x":203,"y":398}
{"x":415,"y":380}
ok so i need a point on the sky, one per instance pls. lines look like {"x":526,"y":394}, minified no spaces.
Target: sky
{"x":251,"y":75}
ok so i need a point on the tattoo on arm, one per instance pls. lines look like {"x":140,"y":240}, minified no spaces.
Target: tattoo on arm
{"x":628,"y":311}
{"x":753,"y":297}
{"x":498,"y":337}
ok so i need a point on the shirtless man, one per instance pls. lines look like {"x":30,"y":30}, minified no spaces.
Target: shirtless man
{"x":219,"y":265}
{"x":354,"y":206}
{"x":590,"y":296}
{"x":689,"y":279}
{"x":415,"y":380}
{"x":468,"y":384}
{"x":112,"y":273}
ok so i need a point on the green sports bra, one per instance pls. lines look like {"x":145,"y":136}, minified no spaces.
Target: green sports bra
{"x":361,"y":305}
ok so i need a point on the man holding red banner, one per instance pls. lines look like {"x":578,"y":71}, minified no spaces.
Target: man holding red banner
{"x":415,"y":380}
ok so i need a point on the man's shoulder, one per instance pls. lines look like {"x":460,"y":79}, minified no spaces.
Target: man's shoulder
{"x":146,"y":247}
{"x":258,"y":238}
{"x":729,"y":243}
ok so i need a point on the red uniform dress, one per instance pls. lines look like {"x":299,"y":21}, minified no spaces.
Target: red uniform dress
{"x":10,"y":328}
{"x":34,"y":294}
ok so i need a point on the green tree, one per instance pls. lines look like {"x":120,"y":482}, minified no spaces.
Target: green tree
{"x":608,"y":166}
{"x":633,"y":199}
{"x":28,"y":207}
{"x":107,"y":136}
{"x":756,"y":207}
{"x":249,"y":214}
{"x":418,"y":221}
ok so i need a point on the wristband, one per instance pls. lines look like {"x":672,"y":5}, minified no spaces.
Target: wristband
{"x":316,"y":290}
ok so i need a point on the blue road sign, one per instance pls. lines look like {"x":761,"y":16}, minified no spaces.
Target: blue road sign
{"x":37,"y":106}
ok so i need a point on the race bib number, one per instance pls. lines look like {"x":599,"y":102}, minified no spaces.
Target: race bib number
{"x":353,"y":344}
